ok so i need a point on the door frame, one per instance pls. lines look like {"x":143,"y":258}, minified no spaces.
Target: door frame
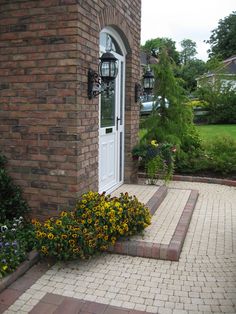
{"x":119,"y":158}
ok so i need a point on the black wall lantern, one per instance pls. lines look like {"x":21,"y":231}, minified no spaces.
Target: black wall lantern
{"x":148,"y":81}
{"x":107,"y":72}
{"x":147,"y":87}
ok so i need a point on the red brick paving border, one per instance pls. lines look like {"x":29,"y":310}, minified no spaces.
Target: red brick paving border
{"x":57,"y":304}
{"x":178,"y":177}
{"x":205,"y":180}
{"x":17,"y":288}
{"x":169,"y":252}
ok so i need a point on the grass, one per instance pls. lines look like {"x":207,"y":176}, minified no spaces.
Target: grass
{"x":211,"y":131}
{"x":208,"y":132}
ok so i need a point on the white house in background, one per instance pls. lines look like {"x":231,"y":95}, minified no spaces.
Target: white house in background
{"x":226,"y":73}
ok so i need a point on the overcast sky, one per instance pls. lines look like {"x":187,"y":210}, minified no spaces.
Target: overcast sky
{"x":184,"y":19}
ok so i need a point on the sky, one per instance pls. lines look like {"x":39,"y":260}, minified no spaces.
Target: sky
{"x":184,"y":19}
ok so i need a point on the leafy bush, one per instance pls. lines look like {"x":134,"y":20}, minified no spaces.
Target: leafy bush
{"x":196,"y":103}
{"x":12,"y":203}
{"x":156,"y":159}
{"x":96,"y":222}
{"x":217,"y":157}
{"x":16,"y":240}
{"x":221,"y":99}
{"x":222,"y":155}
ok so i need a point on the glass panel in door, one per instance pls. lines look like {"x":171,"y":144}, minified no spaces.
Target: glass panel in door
{"x":108,"y":140}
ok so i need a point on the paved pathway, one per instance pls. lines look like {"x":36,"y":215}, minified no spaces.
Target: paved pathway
{"x":203,"y":281}
{"x":166,"y":218}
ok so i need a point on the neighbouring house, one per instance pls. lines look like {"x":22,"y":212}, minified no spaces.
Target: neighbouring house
{"x":226,"y":73}
{"x":60,"y":143}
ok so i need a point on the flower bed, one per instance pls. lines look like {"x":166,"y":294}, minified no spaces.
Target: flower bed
{"x":157,"y":159}
{"x":16,"y":241}
{"x":97,"y":221}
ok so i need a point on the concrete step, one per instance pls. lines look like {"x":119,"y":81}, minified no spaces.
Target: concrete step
{"x":171,"y":211}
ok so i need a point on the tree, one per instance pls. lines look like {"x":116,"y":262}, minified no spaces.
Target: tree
{"x":190,"y":71}
{"x":223,"y":38}
{"x":172,"y":123}
{"x":154,"y":45}
{"x":188,"y":50}
{"x":221,"y":99}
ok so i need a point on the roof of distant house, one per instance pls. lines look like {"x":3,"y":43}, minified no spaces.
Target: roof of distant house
{"x":228,"y":67}
{"x":146,"y":59}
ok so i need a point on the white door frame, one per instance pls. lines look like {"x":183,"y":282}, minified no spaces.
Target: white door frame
{"x":118,"y":128}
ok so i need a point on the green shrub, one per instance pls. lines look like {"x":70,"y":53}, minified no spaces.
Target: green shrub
{"x":221,"y":99}
{"x":12,"y":203}
{"x":196,"y":103}
{"x":96,"y":222}
{"x":217,"y":157}
{"x":222,"y":155}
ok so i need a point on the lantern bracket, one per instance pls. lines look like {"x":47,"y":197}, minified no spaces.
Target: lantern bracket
{"x":96,"y":86}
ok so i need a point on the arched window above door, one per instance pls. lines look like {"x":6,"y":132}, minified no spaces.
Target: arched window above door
{"x":109,"y":42}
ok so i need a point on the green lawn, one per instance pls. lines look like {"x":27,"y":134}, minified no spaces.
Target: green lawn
{"x":211,"y":131}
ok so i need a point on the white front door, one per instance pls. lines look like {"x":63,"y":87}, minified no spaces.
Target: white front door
{"x":111,"y":133}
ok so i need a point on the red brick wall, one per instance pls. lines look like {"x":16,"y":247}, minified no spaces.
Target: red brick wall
{"x":48,"y":127}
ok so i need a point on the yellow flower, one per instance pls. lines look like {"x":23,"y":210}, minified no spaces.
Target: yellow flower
{"x":106,"y":237}
{"x":4,"y":267}
{"x":76,"y":250}
{"x":34,"y":221}
{"x":64,"y":236}
{"x":37,"y":224}
{"x":63,"y":214}
{"x":91,"y":243}
{"x":58,"y":222}
{"x":74,"y":236}
{"x":38,"y":234}
{"x":72,"y":242}
{"x":44,"y":249}
{"x":154,"y":143}
{"x":89,"y":221}
{"x":50,"y":236}
{"x":104,"y":247}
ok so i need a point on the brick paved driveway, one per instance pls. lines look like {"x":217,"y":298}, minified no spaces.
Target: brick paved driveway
{"x":203,"y":281}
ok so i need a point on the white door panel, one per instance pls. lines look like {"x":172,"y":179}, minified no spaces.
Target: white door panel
{"x":111,"y":132}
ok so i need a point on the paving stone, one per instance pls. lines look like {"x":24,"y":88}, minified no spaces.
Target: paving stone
{"x":202,"y":281}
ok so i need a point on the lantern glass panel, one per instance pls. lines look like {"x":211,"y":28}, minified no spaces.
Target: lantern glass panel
{"x":108,"y":70}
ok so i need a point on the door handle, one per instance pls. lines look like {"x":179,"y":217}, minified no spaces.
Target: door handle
{"x":117,"y":121}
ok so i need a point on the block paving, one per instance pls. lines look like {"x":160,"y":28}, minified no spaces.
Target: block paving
{"x":202,"y":281}
{"x":164,"y":238}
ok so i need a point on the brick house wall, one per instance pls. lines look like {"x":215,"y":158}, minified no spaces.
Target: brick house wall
{"x":48,"y":126}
